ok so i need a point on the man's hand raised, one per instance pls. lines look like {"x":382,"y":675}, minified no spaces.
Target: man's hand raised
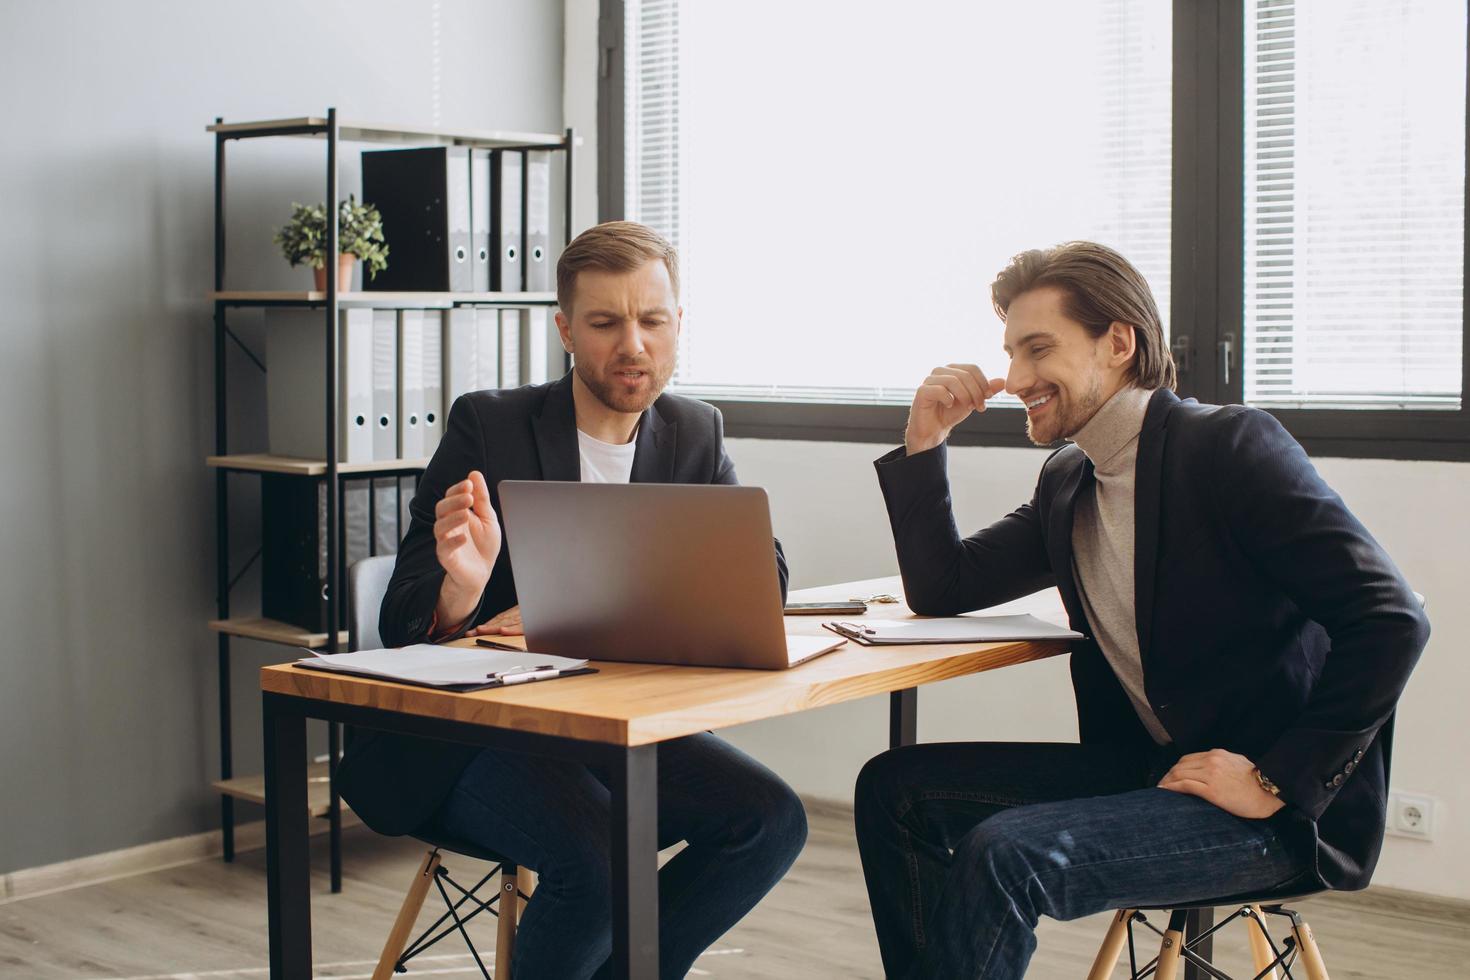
{"x":944,"y":400}
{"x":466,"y":543}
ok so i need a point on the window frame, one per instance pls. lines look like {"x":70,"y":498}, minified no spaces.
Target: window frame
{"x":1206,"y":267}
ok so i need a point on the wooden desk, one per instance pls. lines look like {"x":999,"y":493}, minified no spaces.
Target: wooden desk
{"x":614,"y":718}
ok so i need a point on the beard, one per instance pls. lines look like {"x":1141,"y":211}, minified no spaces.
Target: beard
{"x":1067,"y":417}
{"x":616,"y":397}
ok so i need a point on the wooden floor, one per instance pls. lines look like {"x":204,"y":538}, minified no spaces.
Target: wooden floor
{"x":207,"y":920}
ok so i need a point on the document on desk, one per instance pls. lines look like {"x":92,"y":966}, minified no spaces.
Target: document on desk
{"x":954,"y":629}
{"x":454,"y":668}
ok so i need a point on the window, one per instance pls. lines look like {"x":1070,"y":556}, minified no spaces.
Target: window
{"x":843,"y":189}
{"x":843,"y":184}
{"x":1354,"y":204}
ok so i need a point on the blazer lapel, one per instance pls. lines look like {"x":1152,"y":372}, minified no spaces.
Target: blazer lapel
{"x":555,"y":430}
{"x":1059,"y":535}
{"x":653,"y":459}
{"x":1147,"y":484}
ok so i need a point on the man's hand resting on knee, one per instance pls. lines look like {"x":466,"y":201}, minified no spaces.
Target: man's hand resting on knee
{"x":1225,"y":779}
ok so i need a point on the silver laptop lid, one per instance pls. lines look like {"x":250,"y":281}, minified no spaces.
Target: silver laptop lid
{"x":657,"y":573}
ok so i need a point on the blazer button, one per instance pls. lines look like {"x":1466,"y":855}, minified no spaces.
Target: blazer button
{"x":1358,"y":756}
{"x":1350,"y":767}
{"x":1337,"y":780}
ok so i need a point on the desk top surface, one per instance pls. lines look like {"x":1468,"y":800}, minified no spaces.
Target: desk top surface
{"x":635,"y":704}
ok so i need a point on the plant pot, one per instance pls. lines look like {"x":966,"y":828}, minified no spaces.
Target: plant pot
{"x":345,"y":262}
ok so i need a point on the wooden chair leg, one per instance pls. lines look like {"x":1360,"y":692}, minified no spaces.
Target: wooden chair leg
{"x":1311,"y":955}
{"x":1261,"y":955}
{"x":510,"y":916}
{"x":527,"y":887}
{"x":1112,"y":946}
{"x":407,"y":915}
{"x":1169,"y":949}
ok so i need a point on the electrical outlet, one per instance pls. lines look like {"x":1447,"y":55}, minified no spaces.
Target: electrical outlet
{"x":1410,"y":815}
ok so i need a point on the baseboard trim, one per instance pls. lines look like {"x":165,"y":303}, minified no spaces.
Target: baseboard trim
{"x":160,"y":855}
{"x":140,"y":859}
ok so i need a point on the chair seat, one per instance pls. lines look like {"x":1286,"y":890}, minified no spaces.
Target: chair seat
{"x":1277,"y":897}
{"x":445,"y":842}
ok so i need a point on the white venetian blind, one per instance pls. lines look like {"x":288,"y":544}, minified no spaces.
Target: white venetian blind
{"x":845,"y":180}
{"x":1354,"y":203}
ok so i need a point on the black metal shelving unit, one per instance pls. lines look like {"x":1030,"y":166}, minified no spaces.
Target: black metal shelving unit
{"x":334,"y":132}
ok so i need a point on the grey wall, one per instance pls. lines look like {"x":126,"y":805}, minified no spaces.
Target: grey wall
{"x":107,"y":671}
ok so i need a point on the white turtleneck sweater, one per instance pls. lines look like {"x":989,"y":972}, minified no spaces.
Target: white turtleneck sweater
{"x":1103,"y":528}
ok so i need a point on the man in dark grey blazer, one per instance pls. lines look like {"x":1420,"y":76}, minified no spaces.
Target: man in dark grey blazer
{"x":606,"y":421}
{"x":1247,"y":641}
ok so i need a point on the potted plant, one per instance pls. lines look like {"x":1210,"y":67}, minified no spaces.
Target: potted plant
{"x":359,"y":236}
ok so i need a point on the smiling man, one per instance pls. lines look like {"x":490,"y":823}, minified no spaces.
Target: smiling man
{"x":1247,"y":641}
{"x":607,"y":421}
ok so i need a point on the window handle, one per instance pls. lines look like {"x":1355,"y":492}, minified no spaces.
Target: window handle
{"x":1227,"y":351}
{"x":1180,"y":348}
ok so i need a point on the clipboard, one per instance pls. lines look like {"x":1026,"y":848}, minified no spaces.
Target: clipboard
{"x":456,"y":688}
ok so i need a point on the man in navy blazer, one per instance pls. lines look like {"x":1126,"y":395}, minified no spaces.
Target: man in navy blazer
{"x":1247,"y":641}
{"x":609,"y":420}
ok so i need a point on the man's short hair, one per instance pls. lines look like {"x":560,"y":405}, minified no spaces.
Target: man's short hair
{"x":1098,"y":287}
{"x":613,"y":246}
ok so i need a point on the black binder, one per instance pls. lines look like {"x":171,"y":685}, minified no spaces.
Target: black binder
{"x":538,"y":221}
{"x":424,"y":198}
{"x":293,"y":546}
{"x":293,"y":550}
{"x":506,"y":189}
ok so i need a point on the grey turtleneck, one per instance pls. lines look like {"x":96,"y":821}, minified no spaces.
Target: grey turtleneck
{"x":1103,"y":528}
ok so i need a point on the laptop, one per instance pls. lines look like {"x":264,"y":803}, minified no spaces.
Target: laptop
{"x":650,"y":573}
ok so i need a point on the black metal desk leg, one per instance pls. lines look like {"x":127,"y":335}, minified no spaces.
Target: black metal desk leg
{"x":1197,"y":921}
{"x":334,"y":801}
{"x":635,"y":863}
{"x":903,"y":717}
{"x":287,"y":862}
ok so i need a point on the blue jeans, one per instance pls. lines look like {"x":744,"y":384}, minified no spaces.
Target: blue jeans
{"x":966,"y":845}
{"x":743,"y":827}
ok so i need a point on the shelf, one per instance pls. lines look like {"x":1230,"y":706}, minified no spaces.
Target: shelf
{"x":367,"y":132}
{"x":274,"y":631}
{"x":248,"y":297}
{"x":252,"y":789}
{"x":295,"y":466}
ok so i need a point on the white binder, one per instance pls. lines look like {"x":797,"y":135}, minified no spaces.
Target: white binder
{"x":461,"y":348}
{"x":533,"y":347}
{"x":295,"y":393}
{"x":385,"y":384}
{"x":410,"y":384}
{"x":544,"y":358}
{"x":487,"y":345}
{"x":510,"y":348}
{"x":480,"y":220}
{"x":538,"y":221}
{"x":433,"y":375}
{"x":457,"y":191}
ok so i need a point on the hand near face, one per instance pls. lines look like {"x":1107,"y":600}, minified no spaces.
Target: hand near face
{"x":466,"y":543}
{"x":1225,"y":779}
{"x":944,"y":400}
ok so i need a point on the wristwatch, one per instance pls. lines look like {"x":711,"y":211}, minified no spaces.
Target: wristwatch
{"x":1265,"y":782}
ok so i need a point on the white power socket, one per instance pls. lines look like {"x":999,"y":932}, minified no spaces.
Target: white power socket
{"x":1411,"y":815}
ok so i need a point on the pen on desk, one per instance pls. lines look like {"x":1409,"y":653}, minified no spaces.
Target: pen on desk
{"x":481,"y":641}
{"x":522,"y":677}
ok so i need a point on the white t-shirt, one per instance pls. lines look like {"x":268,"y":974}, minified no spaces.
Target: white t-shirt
{"x":603,"y":462}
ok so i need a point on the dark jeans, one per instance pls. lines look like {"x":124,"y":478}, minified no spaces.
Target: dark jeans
{"x":966,"y":845}
{"x":743,"y":826}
